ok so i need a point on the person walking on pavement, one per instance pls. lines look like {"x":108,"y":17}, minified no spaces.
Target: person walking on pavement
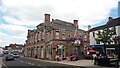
{"x":96,"y":58}
{"x":94,"y":55}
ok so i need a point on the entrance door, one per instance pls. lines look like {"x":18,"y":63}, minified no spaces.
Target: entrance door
{"x":77,"y":51}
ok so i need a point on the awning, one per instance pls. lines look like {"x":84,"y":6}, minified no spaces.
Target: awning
{"x":91,"y":51}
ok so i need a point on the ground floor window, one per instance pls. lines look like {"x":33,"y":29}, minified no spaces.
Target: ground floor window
{"x":48,"y":53}
{"x":61,"y":51}
{"x":111,"y":52}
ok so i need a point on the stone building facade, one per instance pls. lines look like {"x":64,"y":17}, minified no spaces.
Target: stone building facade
{"x":56,"y":37}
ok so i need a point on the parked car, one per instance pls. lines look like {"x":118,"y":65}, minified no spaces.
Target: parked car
{"x":9,"y":57}
{"x":15,"y":55}
{"x":102,"y":60}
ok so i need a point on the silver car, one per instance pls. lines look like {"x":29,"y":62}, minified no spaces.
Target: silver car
{"x":15,"y":55}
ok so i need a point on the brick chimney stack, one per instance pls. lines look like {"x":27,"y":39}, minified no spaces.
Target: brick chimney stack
{"x":89,"y":27}
{"x":47,"y":18}
{"x":75,"y":23}
{"x":29,"y":32}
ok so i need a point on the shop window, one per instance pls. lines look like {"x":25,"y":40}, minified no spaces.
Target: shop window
{"x":60,"y":51}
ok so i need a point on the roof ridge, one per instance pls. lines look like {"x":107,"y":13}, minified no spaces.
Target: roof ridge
{"x":64,"y":21}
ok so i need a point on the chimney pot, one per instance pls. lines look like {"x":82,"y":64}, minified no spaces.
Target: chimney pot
{"x":89,"y":27}
{"x":75,"y":23}
{"x":47,"y":18}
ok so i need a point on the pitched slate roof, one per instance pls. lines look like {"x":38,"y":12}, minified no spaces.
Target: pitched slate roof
{"x":63,"y":25}
{"x":111,"y":23}
{"x":97,"y":28}
{"x":114,"y":22}
{"x":59,"y":24}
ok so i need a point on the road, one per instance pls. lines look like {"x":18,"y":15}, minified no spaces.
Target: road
{"x":31,"y":63}
{"x":24,"y":62}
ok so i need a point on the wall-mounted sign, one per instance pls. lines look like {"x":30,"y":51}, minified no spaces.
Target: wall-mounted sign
{"x":77,"y":42}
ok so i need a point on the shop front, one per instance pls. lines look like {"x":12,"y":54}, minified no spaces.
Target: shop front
{"x":75,"y":46}
{"x":61,"y":51}
{"x":58,"y":50}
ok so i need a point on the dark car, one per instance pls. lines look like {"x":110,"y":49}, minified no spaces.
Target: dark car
{"x":9,"y":57}
{"x":101,"y":60}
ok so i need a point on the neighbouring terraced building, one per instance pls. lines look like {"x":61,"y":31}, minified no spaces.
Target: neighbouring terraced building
{"x":111,"y":24}
{"x":56,"y":37}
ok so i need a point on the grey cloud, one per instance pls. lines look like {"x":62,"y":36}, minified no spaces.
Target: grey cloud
{"x":30,"y":13}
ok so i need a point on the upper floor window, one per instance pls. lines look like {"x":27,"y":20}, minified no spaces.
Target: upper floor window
{"x":85,"y":37}
{"x":57,"y":35}
{"x":69,"y":35}
{"x":74,"y":35}
{"x":63,"y":35}
{"x":43,"y":35}
{"x":98,"y":32}
{"x":114,"y":30}
{"x":38,"y":32}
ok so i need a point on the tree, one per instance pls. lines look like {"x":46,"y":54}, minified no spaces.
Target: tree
{"x":105,"y":36}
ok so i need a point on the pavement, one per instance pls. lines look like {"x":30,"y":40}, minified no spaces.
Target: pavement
{"x":0,"y":62}
{"x":75,"y":63}
{"x":83,"y":62}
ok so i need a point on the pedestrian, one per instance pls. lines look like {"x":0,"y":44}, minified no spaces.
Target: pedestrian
{"x":96,"y":58}
{"x":93,"y":57}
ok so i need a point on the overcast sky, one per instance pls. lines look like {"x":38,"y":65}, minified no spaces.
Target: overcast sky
{"x":17,"y":16}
